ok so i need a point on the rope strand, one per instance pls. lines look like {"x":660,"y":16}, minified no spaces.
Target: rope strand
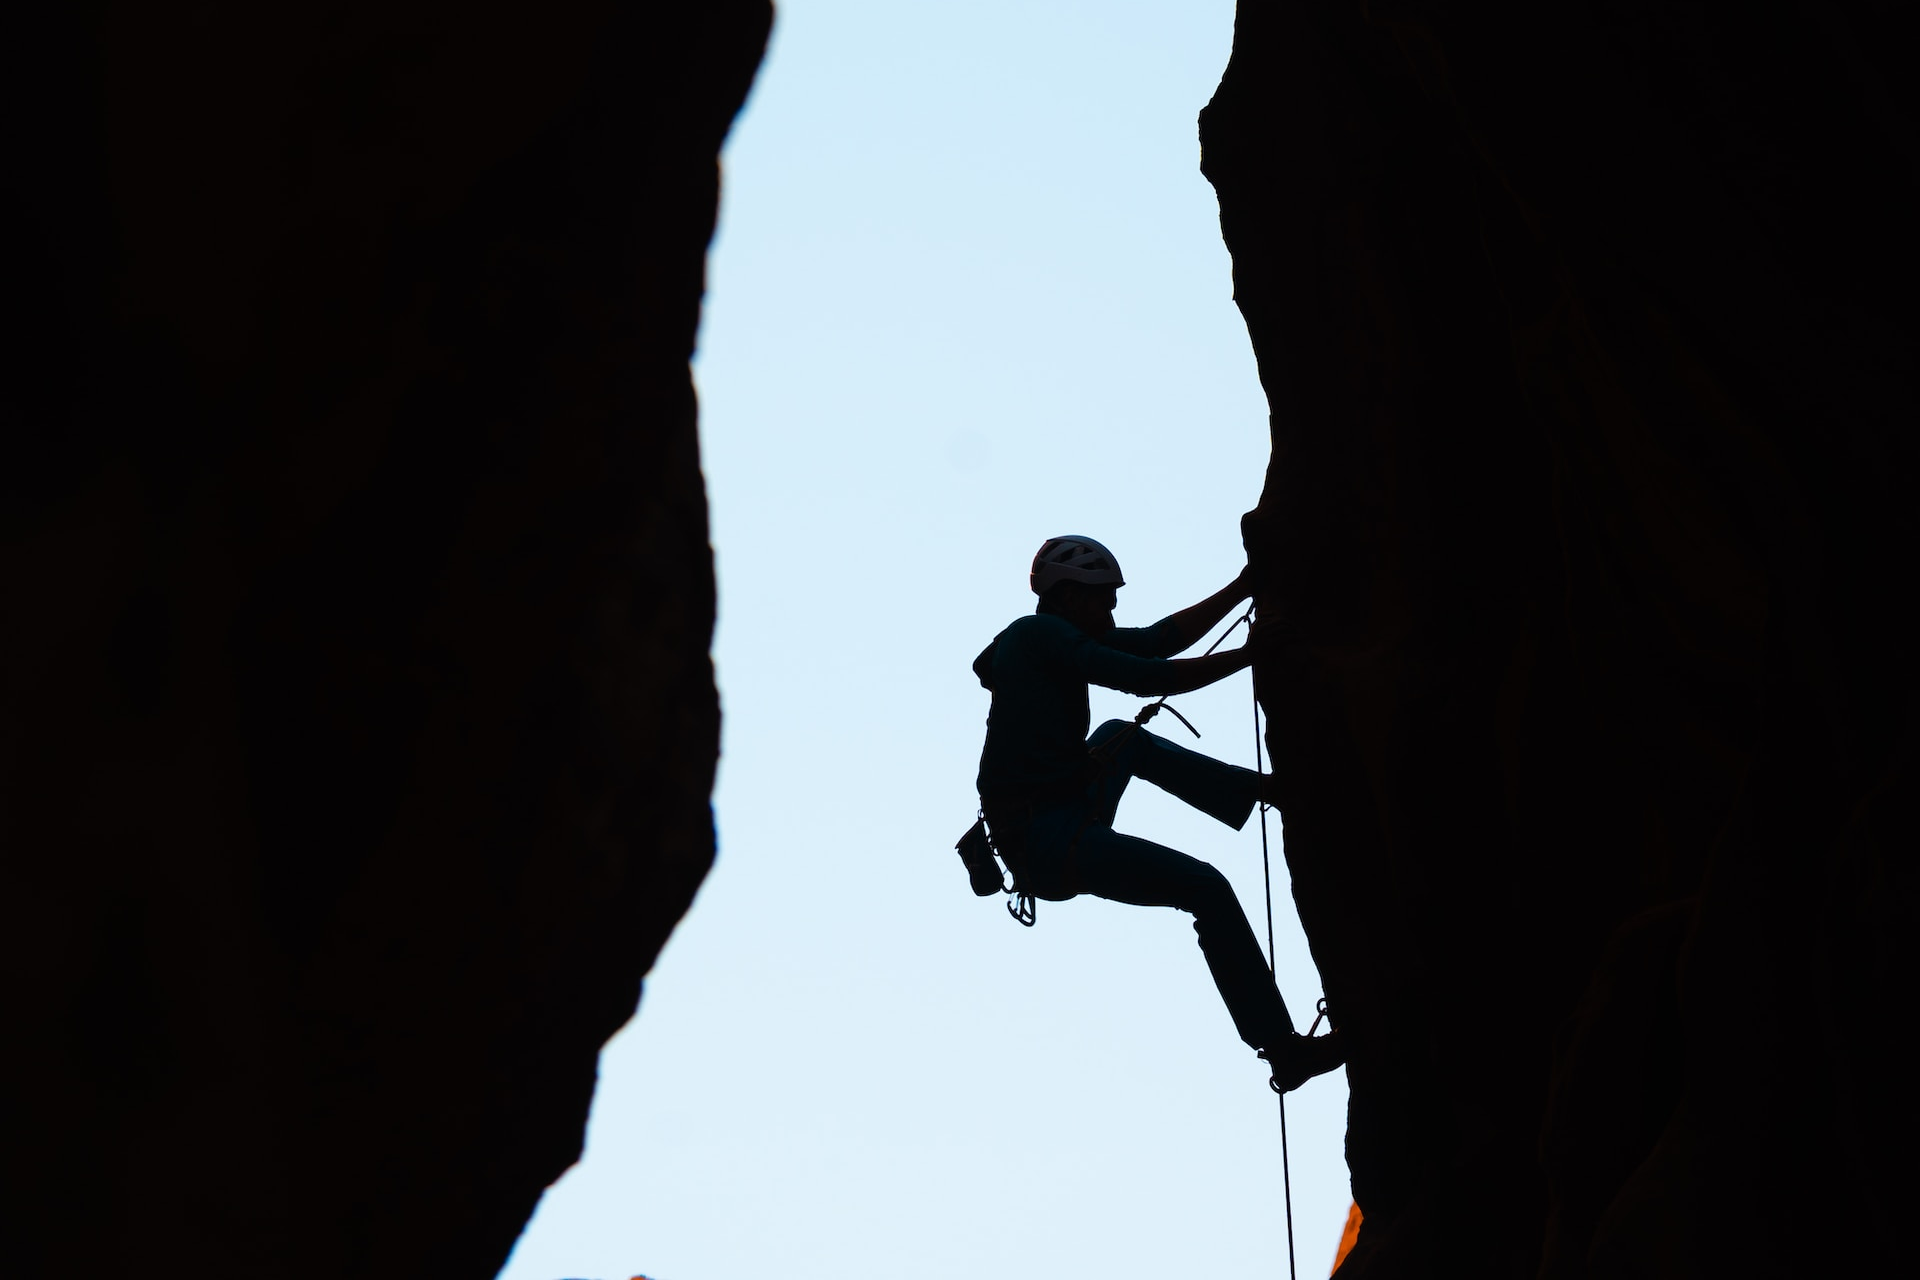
{"x":1266,"y":871}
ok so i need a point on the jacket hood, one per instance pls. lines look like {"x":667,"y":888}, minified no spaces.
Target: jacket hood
{"x":983,"y":665}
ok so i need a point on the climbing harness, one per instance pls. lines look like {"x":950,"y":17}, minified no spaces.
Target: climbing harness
{"x":977,"y":849}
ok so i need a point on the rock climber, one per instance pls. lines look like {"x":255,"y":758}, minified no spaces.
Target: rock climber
{"x":1049,"y":791}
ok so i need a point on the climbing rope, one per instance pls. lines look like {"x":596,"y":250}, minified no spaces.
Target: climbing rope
{"x":1266,"y":872}
{"x":1319,"y":1006}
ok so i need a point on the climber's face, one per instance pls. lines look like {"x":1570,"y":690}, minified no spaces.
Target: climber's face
{"x":1090,"y":608}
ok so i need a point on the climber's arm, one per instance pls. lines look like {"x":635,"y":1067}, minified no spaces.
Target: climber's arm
{"x":1195,"y":621}
{"x":1156,"y":677}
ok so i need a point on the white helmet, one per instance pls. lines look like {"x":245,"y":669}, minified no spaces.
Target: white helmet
{"x":1073,"y":559}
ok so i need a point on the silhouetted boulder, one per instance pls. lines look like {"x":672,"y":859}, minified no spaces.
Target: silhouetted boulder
{"x":360,"y":725}
{"x":1588,"y":335}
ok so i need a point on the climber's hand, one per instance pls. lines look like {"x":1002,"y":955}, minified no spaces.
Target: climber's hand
{"x":1270,"y":636}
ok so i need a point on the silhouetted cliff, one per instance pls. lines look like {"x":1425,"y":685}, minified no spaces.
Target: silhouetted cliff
{"x":359,"y":724}
{"x":1588,"y":336}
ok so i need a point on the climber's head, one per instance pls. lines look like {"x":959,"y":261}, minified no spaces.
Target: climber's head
{"x":1079,"y":580}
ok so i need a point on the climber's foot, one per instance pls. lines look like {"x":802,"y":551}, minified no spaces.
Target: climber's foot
{"x":1298,"y":1059}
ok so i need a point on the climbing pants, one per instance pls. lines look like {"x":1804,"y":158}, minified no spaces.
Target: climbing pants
{"x":1070,"y":847}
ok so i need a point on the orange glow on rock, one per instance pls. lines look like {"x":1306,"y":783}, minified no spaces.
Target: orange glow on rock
{"x":1347,"y":1237}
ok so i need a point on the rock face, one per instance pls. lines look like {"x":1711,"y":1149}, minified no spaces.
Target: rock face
{"x":1588,"y":336}
{"x":359,"y":724}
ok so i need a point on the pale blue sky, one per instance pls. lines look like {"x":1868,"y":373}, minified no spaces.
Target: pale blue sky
{"x":968,"y":292}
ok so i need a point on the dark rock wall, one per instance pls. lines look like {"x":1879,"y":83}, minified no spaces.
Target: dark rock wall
{"x":1587,"y":332}
{"x":359,"y":724}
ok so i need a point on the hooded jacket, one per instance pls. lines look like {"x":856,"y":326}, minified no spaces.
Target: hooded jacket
{"x":1038,"y":670}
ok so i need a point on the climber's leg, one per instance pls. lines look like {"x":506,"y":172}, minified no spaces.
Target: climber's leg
{"x":1127,"y":869}
{"x":1222,"y":791}
{"x":1110,"y":781}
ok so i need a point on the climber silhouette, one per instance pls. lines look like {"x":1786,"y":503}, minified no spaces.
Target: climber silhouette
{"x":1049,"y":791}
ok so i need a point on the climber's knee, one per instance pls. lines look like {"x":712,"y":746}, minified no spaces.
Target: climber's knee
{"x":1204,"y":891}
{"x":1216,"y":884}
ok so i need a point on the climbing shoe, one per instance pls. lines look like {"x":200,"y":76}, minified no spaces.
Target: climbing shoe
{"x":1298,"y":1059}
